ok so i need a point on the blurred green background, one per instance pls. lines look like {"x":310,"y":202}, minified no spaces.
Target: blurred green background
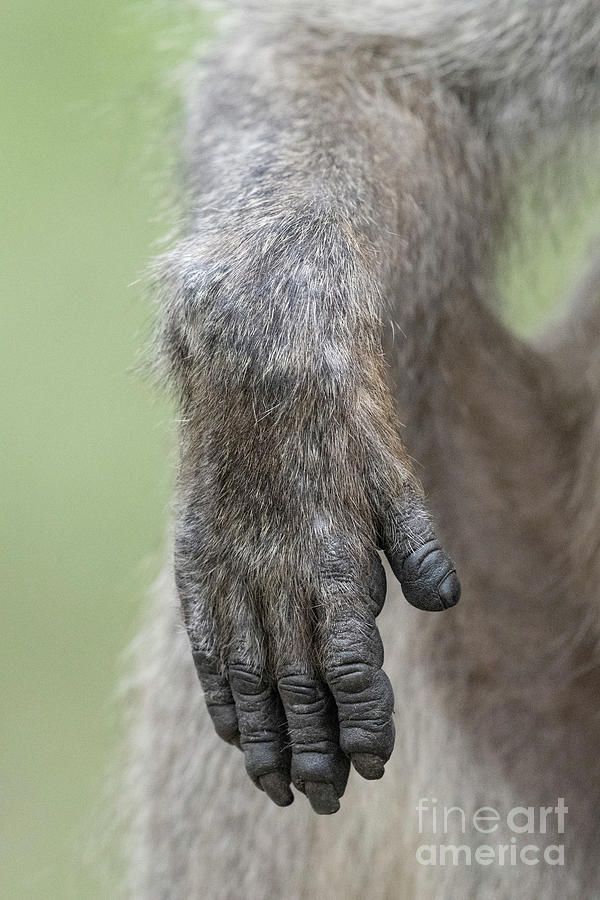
{"x":87,"y":103}
{"x":84,"y":446}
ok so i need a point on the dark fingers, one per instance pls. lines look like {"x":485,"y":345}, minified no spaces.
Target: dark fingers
{"x":362,"y":692}
{"x":263,"y":735}
{"x":319,"y":768}
{"x":218,"y":697}
{"x":425,"y":571}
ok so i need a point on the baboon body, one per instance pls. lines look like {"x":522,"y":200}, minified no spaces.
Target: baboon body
{"x":373,"y":148}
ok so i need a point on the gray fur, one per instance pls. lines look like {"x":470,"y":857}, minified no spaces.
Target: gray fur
{"x":347,"y":166}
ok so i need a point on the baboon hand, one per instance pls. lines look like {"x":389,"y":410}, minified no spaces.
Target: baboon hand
{"x":293,"y":477}
{"x":284,"y":639}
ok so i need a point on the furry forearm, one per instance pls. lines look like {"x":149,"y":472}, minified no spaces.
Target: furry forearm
{"x":292,"y":471}
{"x":312,"y":206}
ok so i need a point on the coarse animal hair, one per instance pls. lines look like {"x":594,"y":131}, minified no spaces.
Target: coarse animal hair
{"x":350,"y":173}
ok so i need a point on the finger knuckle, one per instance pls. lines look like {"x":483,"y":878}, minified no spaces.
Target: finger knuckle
{"x":428,"y":563}
{"x":368,"y":708}
{"x":208,"y":665}
{"x":350,"y":677}
{"x":299,"y":689}
{"x":245,"y":680}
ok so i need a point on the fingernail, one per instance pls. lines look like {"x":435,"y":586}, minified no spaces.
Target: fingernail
{"x":323,"y":797}
{"x":449,"y":590}
{"x":277,"y":787}
{"x":368,"y":765}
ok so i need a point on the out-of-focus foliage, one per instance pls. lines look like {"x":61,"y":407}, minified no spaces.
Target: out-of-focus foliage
{"x":84,"y":443}
{"x":557,"y":221}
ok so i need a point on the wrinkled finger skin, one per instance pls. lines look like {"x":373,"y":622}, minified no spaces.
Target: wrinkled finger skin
{"x":319,"y":768}
{"x":303,"y":722}
{"x":425,"y":571}
{"x":218,"y":697}
{"x":362,"y":692}
{"x":263,"y":735}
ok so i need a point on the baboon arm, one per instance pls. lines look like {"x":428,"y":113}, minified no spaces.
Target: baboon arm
{"x":310,"y":182}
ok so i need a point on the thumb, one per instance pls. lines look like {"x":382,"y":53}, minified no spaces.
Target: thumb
{"x":425,"y":571}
